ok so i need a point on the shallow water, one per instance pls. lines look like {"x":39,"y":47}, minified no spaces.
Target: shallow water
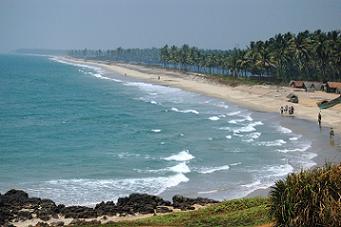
{"x":79,"y":135}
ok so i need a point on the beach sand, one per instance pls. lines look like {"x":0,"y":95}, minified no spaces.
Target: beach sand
{"x":266,"y":98}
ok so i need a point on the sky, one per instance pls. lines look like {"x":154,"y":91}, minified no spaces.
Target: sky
{"x":211,"y":24}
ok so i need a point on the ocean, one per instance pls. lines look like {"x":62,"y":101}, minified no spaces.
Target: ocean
{"x":78,"y":135}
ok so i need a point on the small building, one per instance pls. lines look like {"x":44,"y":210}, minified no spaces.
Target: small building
{"x":332,"y":87}
{"x":296,"y":84}
{"x":312,"y":86}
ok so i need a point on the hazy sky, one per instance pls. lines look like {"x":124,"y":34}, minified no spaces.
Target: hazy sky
{"x":152,"y":23}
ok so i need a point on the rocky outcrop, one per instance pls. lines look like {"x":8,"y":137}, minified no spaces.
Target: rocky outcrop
{"x":140,"y":203}
{"x":184,"y":203}
{"x":17,"y":206}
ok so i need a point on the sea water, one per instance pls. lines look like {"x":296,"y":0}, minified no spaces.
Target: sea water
{"x":77,"y":134}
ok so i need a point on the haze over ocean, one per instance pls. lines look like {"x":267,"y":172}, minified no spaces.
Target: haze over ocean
{"x":77,"y":134}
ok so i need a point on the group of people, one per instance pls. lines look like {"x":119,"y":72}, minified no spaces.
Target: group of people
{"x":287,"y":109}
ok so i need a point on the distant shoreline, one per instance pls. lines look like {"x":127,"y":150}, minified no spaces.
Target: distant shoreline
{"x":264,"y":98}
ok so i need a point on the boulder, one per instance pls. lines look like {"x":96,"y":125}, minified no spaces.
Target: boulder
{"x":78,"y":212}
{"x":185,"y":203}
{"x":106,"y":208}
{"x":140,"y":203}
{"x":163,"y":209}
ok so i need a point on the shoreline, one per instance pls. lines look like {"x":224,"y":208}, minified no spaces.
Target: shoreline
{"x":262,"y":98}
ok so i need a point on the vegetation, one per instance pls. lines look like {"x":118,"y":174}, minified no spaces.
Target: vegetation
{"x":240,"y":212}
{"x":314,"y":56}
{"x":135,"y":55}
{"x":308,"y":198}
{"x":305,"y":56}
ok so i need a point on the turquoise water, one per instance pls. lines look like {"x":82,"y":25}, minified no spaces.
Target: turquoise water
{"x":79,"y":135}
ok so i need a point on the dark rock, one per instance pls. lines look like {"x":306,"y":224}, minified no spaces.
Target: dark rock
{"x":140,"y":203}
{"x":24,"y":215}
{"x":42,"y":224}
{"x":57,"y":223}
{"x":185,"y":203}
{"x":14,"y":197}
{"x":78,"y":212}
{"x":106,"y":208}
{"x":163,"y":209}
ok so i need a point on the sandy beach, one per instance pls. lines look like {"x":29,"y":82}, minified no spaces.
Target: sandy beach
{"x":267,"y":98}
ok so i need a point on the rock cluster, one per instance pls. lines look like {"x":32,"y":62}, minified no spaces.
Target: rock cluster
{"x":17,"y":206}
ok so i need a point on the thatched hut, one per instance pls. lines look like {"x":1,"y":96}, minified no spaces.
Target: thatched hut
{"x":296,"y":84}
{"x":312,"y":86}
{"x":332,"y":87}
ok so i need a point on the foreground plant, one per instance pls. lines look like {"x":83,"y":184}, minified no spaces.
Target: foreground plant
{"x":308,"y":198}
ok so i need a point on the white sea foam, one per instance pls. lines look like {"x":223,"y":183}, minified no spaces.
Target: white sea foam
{"x":233,"y":113}
{"x":90,"y":191}
{"x":279,"y":171}
{"x":236,"y":121}
{"x":274,"y":143}
{"x":214,"y":118}
{"x":207,"y":170}
{"x":208,"y":192}
{"x":249,"y":128}
{"x":228,"y":137}
{"x":251,"y":137}
{"x":300,"y":149}
{"x":153,"y":88}
{"x":180,"y":168}
{"x":295,"y":138}
{"x":156,"y":130}
{"x":184,"y":111}
{"x":235,"y":164}
{"x":181,"y":156}
{"x":284,"y":130}
{"x":98,"y":75}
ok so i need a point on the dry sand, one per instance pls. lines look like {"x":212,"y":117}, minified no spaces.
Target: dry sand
{"x":267,"y":98}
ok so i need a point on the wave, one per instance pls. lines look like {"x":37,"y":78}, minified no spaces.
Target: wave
{"x":97,"y":75}
{"x":284,"y":130}
{"x":180,"y":168}
{"x":184,"y":111}
{"x":249,"y":128}
{"x":252,"y":136}
{"x":153,"y":88}
{"x":228,"y":137}
{"x":207,"y":170}
{"x":295,"y":138}
{"x":208,"y":192}
{"x":214,"y":118}
{"x":181,"y":156}
{"x":235,"y":164}
{"x":91,"y":191}
{"x":233,"y":113}
{"x":156,"y":130}
{"x":278,"y":142}
{"x":302,"y":149}
{"x":57,"y":59}
{"x":279,"y":171}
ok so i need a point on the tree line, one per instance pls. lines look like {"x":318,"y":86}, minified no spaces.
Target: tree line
{"x":284,"y":57}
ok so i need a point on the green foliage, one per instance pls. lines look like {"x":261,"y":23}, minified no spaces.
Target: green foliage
{"x":239,"y":212}
{"x":308,"y":198}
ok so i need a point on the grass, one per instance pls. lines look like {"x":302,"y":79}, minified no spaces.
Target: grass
{"x":239,"y":212}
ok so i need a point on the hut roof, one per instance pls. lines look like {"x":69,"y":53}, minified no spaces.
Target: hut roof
{"x":310,"y":84}
{"x":296,"y":83}
{"x":335,"y":85}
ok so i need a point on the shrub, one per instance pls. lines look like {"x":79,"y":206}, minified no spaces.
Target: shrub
{"x":308,"y":198}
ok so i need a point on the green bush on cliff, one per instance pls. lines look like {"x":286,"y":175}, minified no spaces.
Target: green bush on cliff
{"x":308,"y":198}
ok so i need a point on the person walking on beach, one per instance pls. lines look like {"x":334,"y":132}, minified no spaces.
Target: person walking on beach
{"x":331,"y":133}
{"x":282,"y":110}
{"x":286,"y":109}
{"x":319,"y":117}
